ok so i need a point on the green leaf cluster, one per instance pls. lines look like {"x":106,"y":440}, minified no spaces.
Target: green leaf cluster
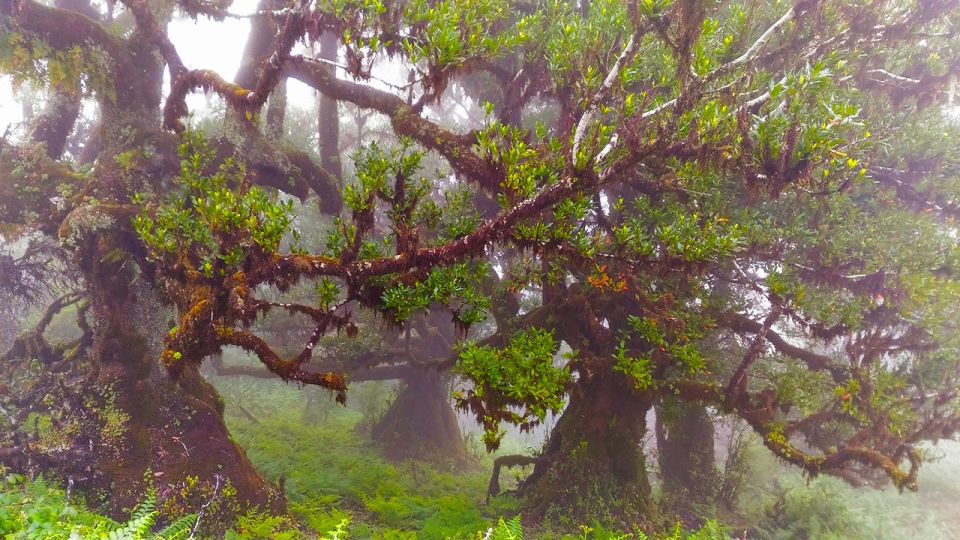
{"x":213,"y":220}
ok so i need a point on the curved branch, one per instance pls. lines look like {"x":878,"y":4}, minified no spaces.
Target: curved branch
{"x":236,"y":96}
{"x":287,"y":370}
{"x":596,"y":100}
{"x":815,"y":361}
{"x":64,"y":29}
{"x":762,"y":40}
{"x":406,"y":123}
{"x":757,"y":411}
{"x":32,"y":343}
{"x":511,"y":461}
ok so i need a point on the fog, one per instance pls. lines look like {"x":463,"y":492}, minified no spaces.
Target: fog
{"x":486,"y":269}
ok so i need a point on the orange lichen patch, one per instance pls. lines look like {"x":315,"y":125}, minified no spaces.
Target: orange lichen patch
{"x":198,"y":309}
{"x":600,"y":279}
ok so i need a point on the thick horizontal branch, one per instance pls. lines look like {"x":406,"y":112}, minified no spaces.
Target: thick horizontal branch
{"x":490,"y":232}
{"x":64,"y":30}
{"x":757,"y":411}
{"x":287,"y":370}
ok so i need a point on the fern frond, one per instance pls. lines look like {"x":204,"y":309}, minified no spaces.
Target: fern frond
{"x":179,"y":529}
{"x":511,"y":529}
{"x":141,"y":521}
{"x":138,"y":528}
{"x":342,"y":532}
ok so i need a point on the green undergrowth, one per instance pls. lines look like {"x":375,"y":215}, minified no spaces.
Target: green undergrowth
{"x":337,"y":485}
{"x":335,"y":477}
{"x":37,"y":510}
{"x":331,"y":473}
{"x":368,"y":499}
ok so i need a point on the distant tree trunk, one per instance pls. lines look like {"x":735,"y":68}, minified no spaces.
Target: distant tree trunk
{"x":54,"y":123}
{"x":277,"y":111}
{"x":328,"y":116}
{"x":421,"y":423}
{"x":688,"y":471}
{"x":60,"y":114}
{"x":593,"y":468}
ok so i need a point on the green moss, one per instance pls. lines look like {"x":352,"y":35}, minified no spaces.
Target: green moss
{"x":113,"y":423}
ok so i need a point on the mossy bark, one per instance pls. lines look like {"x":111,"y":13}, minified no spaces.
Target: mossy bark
{"x":593,"y":469}
{"x":165,"y":432}
{"x":156,"y":431}
{"x":688,"y":471}
{"x":421,"y":423}
{"x":129,"y":426}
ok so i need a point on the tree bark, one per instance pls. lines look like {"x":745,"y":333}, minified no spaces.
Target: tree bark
{"x":276,"y":112}
{"x":688,"y":471}
{"x":163,"y":431}
{"x":421,"y":423}
{"x":593,"y":468}
{"x":328,"y":116}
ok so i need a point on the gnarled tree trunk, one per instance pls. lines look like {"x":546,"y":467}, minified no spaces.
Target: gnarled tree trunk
{"x":156,"y":431}
{"x":593,"y":469}
{"x":133,"y":426}
{"x":421,"y":423}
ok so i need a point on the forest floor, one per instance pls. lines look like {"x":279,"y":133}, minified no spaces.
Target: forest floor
{"x":333,"y":475}
{"x":332,"y":471}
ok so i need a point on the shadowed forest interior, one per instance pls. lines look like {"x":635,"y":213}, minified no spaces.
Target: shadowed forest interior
{"x":479,"y":269}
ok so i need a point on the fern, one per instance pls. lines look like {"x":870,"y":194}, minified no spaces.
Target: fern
{"x":143,"y":519}
{"x":339,"y":533}
{"x":510,"y":529}
{"x":135,"y":529}
{"x":179,"y":529}
{"x":140,"y":523}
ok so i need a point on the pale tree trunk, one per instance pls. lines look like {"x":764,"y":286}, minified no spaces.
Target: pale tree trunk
{"x":688,"y":471}
{"x":421,"y":423}
{"x":328,"y":116}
